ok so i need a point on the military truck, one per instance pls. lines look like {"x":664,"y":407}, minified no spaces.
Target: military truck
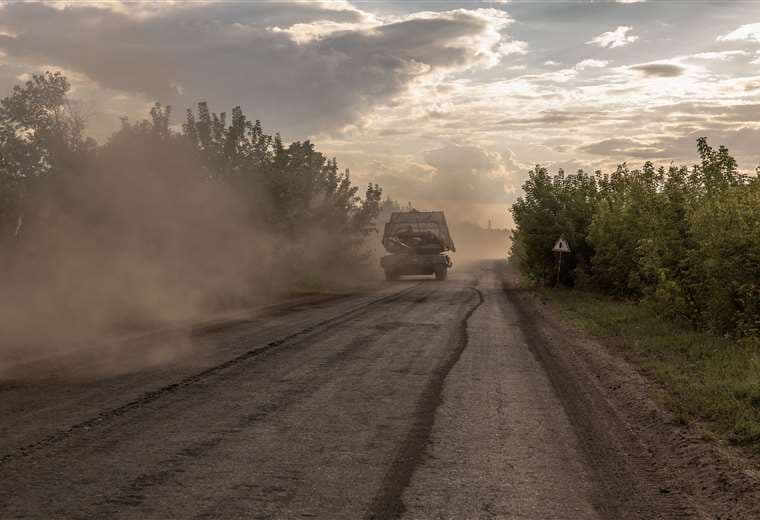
{"x":416,"y":242}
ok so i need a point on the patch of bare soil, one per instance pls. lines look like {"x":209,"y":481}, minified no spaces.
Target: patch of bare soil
{"x":684,"y":475}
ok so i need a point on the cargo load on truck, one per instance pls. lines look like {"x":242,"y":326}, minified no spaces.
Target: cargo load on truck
{"x":417,"y":241}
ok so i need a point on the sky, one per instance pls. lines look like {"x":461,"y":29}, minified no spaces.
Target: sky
{"x":447,"y":104}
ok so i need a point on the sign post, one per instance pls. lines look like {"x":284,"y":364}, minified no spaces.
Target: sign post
{"x":561,"y":247}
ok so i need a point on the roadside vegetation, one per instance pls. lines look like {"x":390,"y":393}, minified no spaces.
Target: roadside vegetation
{"x":163,"y":219}
{"x":665,"y":266}
{"x":708,"y":379}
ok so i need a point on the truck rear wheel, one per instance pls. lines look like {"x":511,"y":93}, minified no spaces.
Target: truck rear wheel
{"x":440,"y":272}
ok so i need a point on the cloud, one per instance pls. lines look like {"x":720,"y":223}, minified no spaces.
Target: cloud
{"x":659,"y":70}
{"x":591,"y":64}
{"x":623,"y":147}
{"x":467,"y":173}
{"x":306,"y":67}
{"x":552,"y":117}
{"x":384,"y":83}
{"x":458,"y":174}
{"x":749,"y":32}
{"x":681,"y":147}
{"x":719,"y":56}
{"x":513,"y":47}
{"x":741,"y":143}
{"x":613,"y":39}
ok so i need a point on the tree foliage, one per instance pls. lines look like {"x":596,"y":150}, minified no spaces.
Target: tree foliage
{"x":685,"y":240}
{"x":172,"y":197}
{"x":554,"y":206}
{"x":40,"y":131}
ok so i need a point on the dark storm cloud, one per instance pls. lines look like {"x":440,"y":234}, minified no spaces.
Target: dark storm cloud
{"x":659,"y":70}
{"x":241,"y":53}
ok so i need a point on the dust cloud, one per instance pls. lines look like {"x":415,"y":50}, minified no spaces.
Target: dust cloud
{"x":476,"y":243}
{"x":142,"y":240}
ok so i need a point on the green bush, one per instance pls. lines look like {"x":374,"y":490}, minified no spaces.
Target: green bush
{"x":684,"y":240}
{"x":554,"y":206}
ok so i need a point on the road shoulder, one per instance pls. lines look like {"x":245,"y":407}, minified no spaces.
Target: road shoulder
{"x":697,"y":476}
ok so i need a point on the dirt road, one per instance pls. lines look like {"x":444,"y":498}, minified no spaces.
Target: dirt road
{"x":423,"y":400}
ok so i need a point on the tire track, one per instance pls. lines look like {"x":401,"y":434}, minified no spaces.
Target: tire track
{"x":153,"y":395}
{"x":388,"y":503}
{"x":628,"y":483}
{"x":134,"y":492}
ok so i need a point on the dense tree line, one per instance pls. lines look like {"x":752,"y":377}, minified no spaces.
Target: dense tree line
{"x":684,"y":239}
{"x":217,"y":205}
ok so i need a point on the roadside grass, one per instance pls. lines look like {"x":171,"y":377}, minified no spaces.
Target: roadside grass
{"x":708,"y":379}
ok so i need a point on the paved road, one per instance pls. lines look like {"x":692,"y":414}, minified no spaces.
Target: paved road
{"x":423,"y":400}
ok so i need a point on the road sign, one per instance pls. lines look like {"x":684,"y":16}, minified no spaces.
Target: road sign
{"x":561,"y":246}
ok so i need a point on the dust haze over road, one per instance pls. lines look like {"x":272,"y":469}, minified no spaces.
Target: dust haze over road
{"x":424,"y":399}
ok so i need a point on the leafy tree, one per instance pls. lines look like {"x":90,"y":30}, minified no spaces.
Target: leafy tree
{"x":203,"y":213}
{"x":295,"y":187}
{"x":624,"y":217}
{"x":726,"y":231}
{"x":554,"y":206}
{"x":684,"y":240}
{"x":41,"y":134}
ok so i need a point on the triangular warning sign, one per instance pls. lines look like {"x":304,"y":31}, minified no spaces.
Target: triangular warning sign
{"x":561,"y":246}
